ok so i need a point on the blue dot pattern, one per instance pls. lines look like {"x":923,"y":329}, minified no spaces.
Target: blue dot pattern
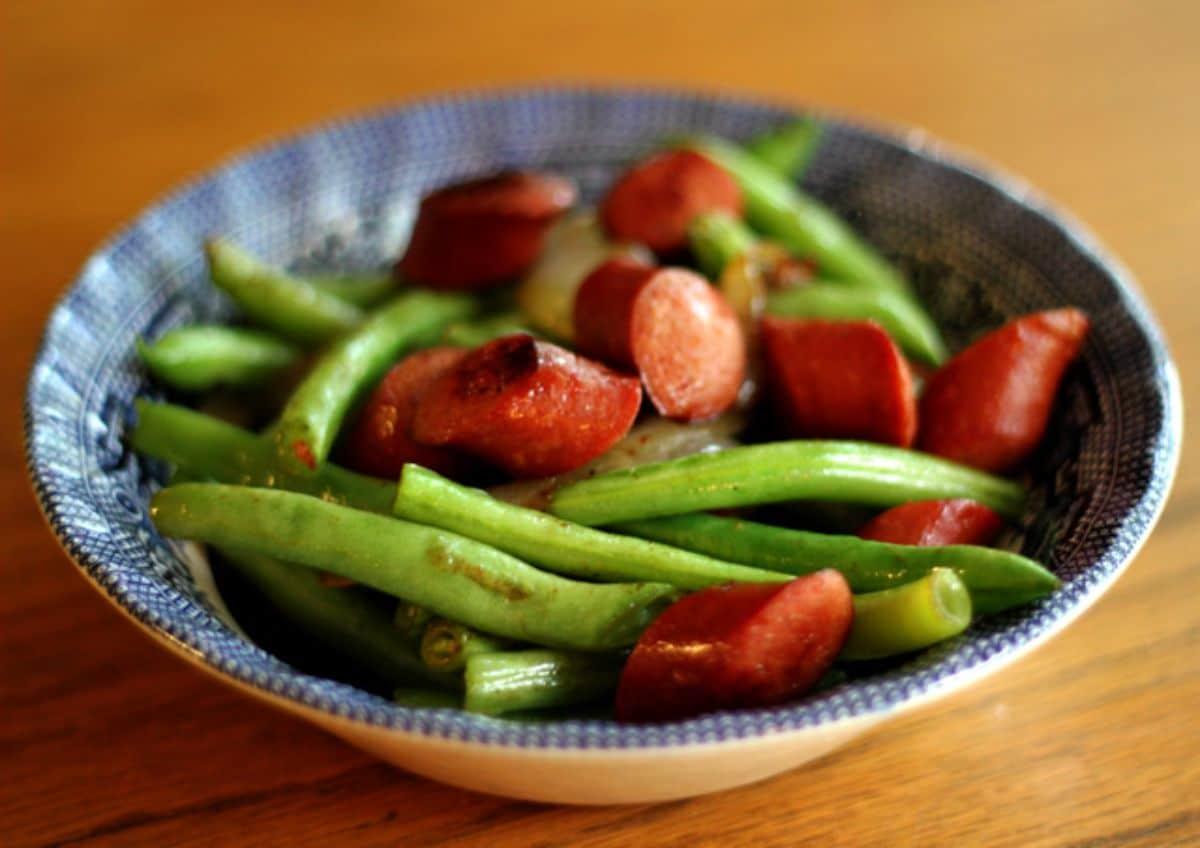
{"x":978,"y":247}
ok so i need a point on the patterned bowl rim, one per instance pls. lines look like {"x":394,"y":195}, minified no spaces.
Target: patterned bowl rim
{"x":337,"y":703}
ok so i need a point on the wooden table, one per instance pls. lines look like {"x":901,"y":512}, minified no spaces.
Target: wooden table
{"x":1094,"y":740}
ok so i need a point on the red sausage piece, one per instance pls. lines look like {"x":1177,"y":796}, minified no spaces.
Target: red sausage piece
{"x":529,"y":407}
{"x":381,"y":441}
{"x":839,"y":380}
{"x":988,"y":407}
{"x":484,"y":232}
{"x":954,"y":522}
{"x":655,"y":201}
{"x":746,"y":645}
{"x":672,"y":327}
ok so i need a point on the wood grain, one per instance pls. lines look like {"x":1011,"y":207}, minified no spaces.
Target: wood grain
{"x":106,"y":740}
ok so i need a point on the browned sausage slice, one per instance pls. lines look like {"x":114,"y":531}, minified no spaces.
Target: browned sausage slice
{"x":528,"y":407}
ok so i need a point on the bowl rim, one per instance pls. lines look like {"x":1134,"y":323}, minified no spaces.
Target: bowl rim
{"x":429,"y":724}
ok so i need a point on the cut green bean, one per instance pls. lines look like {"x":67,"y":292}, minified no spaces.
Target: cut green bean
{"x":202,"y":357}
{"x":204,"y":448}
{"x":426,"y":497}
{"x":428,"y":699}
{"x":908,"y":618}
{"x":312,"y":417}
{"x":447,"y":645}
{"x":277,"y":301}
{"x":909,"y":325}
{"x":716,"y":239}
{"x":349,"y":621}
{"x":788,"y":149}
{"x":365,"y":289}
{"x":511,"y":681}
{"x":780,"y":210}
{"x":484,"y":330}
{"x":996,"y":579}
{"x":452,"y":576}
{"x":851,"y":472}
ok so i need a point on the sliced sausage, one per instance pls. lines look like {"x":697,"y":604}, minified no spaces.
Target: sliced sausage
{"x":839,"y":380}
{"x":988,"y":406}
{"x":528,"y":407}
{"x":952,"y":522}
{"x":480,"y":233}
{"x":672,"y":327}
{"x":655,"y":201}
{"x":380,"y":440}
{"x":747,"y":645}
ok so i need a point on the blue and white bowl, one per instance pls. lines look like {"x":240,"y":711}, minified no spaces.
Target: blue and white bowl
{"x":979,"y":247}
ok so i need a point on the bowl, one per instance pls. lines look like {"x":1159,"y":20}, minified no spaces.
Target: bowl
{"x":978,"y":246}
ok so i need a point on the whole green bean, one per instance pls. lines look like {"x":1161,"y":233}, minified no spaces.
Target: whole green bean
{"x":364,"y":289}
{"x":202,"y":357}
{"x":909,"y":617}
{"x":780,"y":210}
{"x":996,"y":579}
{"x":716,"y":239}
{"x":852,"y":472}
{"x":454,"y":577}
{"x":349,"y":621}
{"x":277,"y":301}
{"x":447,"y":645}
{"x":312,"y":417}
{"x":483,"y":330}
{"x":788,"y":149}
{"x":428,"y":498}
{"x":909,"y":325}
{"x":203,"y":447}
{"x":510,"y":681}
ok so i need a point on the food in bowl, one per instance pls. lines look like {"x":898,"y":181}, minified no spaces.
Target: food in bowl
{"x":709,"y":345}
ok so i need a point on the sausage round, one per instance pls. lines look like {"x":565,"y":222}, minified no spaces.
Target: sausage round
{"x":655,"y":201}
{"x":988,"y":406}
{"x":484,"y":232}
{"x":380,"y":440}
{"x":672,"y":327}
{"x":528,"y":407}
{"x":839,"y":380}
{"x":747,"y":645}
{"x":951,"y":522}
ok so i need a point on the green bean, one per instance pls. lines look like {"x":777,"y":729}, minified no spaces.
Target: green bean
{"x":427,"y":699}
{"x":851,"y":472}
{"x":909,"y":617}
{"x":996,"y":579}
{"x":483,"y":330}
{"x":202,"y":357}
{"x":347,"y":620}
{"x":364,"y":289}
{"x":454,"y":577}
{"x":788,"y":149}
{"x":310,"y":421}
{"x":909,"y":325}
{"x":202,"y":447}
{"x":509,"y":681}
{"x":276,"y":300}
{"x":447,"y":645}
{"x":780,"y":210}
{"x":716,"y":239}
{"x":410,"y":620}
{"x":428,"y":498}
